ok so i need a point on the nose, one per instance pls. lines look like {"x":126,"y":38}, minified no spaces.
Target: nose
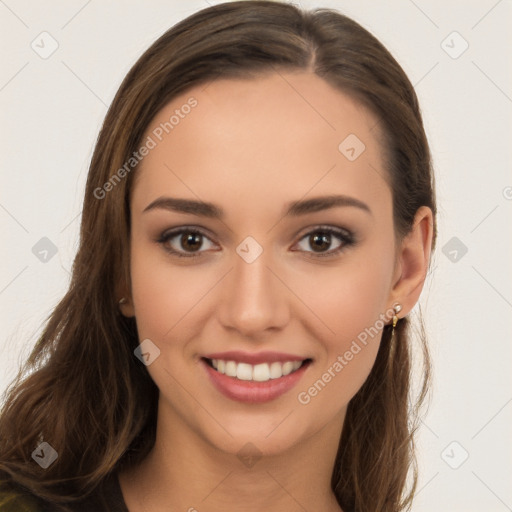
{"x":254,"y":298}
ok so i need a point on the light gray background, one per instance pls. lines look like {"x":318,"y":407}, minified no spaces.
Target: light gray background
{"x":52,"y":110}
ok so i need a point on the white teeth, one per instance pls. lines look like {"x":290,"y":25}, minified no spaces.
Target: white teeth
{"x":244,"y":371}
{"x":276,"y":370}
{"x":259,"y":373}
{"x":287,"y":368}
{"x":230,"y":369}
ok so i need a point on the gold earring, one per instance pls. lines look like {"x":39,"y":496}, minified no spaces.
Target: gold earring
{"x":396,"y":308}
{"x":122,"y":301}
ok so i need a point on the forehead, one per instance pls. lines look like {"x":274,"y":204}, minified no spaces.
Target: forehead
{"x":281,"y":134}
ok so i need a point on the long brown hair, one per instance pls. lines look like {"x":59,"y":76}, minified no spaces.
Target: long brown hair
{"x":84,"y":392}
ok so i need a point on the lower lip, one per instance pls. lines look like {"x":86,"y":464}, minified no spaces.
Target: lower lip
{"x":254,"y":392}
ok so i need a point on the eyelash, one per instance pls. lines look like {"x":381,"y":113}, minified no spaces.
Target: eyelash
{"x":346,"y":237}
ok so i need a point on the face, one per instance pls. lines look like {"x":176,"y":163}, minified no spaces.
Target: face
{"x":270,"y":275}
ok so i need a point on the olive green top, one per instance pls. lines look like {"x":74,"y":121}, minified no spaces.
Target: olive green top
{"x":11,"y":501}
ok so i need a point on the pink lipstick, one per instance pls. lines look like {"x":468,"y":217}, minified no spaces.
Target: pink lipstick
{"x":254,"y":377}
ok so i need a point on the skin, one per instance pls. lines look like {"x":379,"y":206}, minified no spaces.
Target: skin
{"x":250,"y":147}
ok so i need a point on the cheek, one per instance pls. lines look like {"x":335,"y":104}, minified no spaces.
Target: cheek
{"x":352,"y":305}
{"x":163,"y":293}
{"x":349,"y":299}
{"x":349,"y":354}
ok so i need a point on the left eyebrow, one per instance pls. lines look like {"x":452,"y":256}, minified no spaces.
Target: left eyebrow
{"x":200,"y":208}
{"x":294,"y":209}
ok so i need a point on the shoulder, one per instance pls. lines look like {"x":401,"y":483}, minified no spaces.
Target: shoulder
{"x":106,"y":497}
{"x":12,"y":500}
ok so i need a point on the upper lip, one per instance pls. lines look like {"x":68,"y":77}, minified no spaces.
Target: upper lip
{"x":254,"y":357}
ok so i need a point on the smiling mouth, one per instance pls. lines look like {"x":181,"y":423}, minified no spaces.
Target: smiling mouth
{"x":262,"y":372}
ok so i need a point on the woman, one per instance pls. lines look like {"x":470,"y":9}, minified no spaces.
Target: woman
{"x":257,"y":225}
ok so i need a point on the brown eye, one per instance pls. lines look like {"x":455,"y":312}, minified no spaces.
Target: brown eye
{"x":191,"y":241}
{"x":320,"y":241}
{"x":185,"y":242}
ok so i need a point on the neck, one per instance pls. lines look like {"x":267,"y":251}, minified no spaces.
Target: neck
{"x":185,"y":472}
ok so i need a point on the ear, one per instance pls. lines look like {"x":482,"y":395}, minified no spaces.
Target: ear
{"x":127,"y":308}
{"x":412,"y":261}
{"x":125,"y":303}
